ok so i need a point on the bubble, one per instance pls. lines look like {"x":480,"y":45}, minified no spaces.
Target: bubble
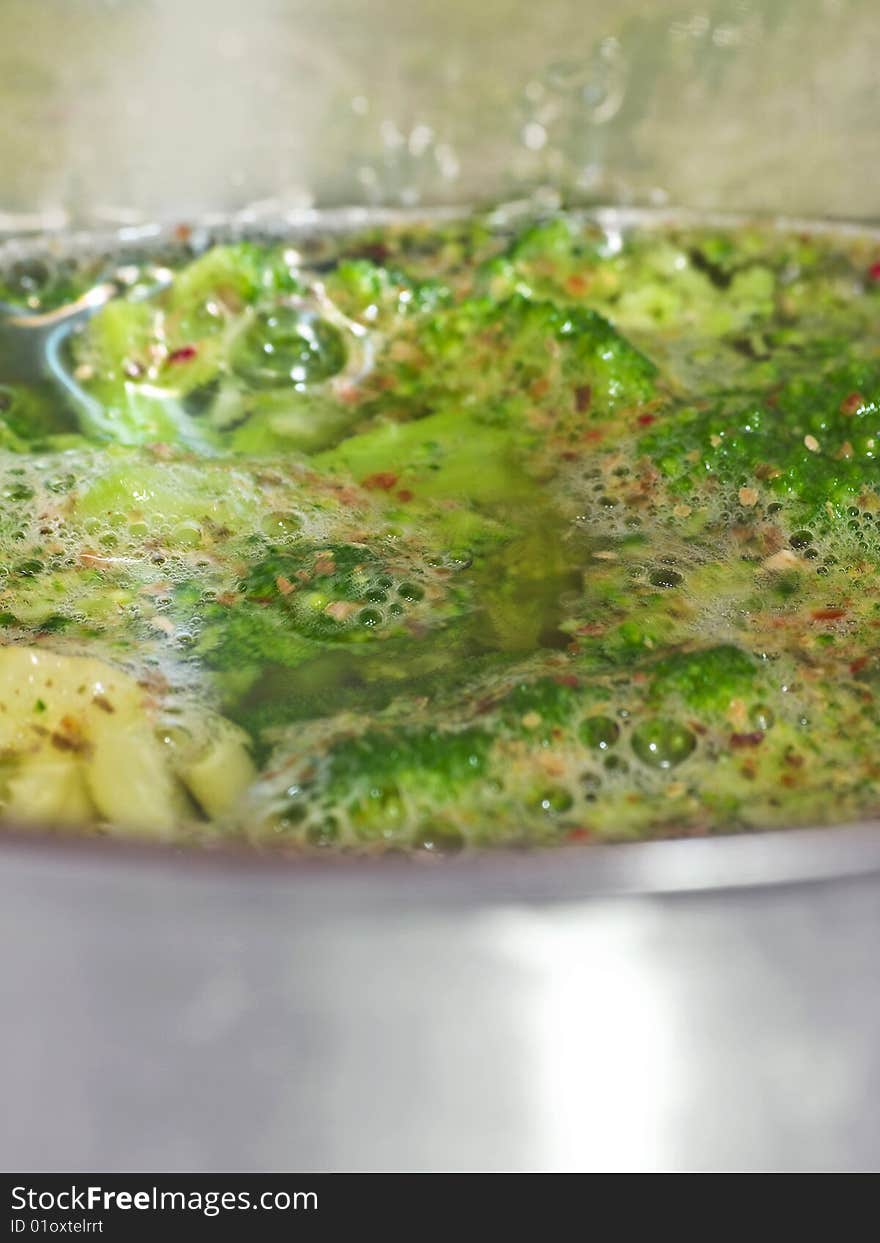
{"x":553,"y":800}
{"x":18,"y":492}
{"x":439,"y":839}
{"x":370,"y":618}
{"x":60,"y":483}
{"x":801,"y":539}
{"x":280,"y":524}
{"x":599,"y":732}
{"x":288,"y":345}
{"x":666,"y":578}
{"x":410,"y":591}
{"x":187,"y":535}
{"x":762,"y":717}
{"x":662,"y":743}
{"x":324,"y":833}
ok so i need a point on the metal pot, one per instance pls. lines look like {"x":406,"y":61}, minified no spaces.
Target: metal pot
{"x":679,"y":1005}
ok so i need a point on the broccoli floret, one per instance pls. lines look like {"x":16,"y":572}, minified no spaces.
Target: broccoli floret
{"x":32,"y":420}
{"x":40,"y":284}
{"x":433,"y":458}
{"x":812,"y":442}
{"x":708,"y":680}
{"x":301,"y":599}
{"x":174,"y":498}
{"x":479,"y":365}
{"x":116,"y":379}
{"x":552,"y":259}
{"x":218,"y":286}
{"x":373,"y":294}
{"x":241,"y":639}
{"x":375,"y":773}
{"x":482,"y":351}
{"x":533,"y":709}
{"x":134,"y":363}
{"x":281,"y":422}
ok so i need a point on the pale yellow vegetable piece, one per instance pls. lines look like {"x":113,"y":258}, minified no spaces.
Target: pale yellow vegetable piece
{"x":80,"y":738}
{"x":49,"y":790}
{"x":221,"y":773}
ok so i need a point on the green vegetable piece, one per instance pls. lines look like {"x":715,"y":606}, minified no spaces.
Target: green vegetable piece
{"x":708,"y":679}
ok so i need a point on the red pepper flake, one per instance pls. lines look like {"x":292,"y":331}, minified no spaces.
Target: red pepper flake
{"x":852,"y":404}
{"x":858,"y":665}
{"x":185,"y":354}
{"x":874,"y":271}
{"x":752,"y":739}
{"x":577,"y":284}
{"x":583,"y":395}
{"x":382,"y":481}
{"x":827,"y":614}
{"x":182,"y":233}
{"x":404,"y":494}
{"x":566,"y":679}
{"x":376,"y":252}
{"x":579,"y":835}
{"x":645,"y":420}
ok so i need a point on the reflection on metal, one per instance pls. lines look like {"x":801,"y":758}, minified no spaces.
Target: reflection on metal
{"x":117,"y":110}
{"x":208,"y":1017}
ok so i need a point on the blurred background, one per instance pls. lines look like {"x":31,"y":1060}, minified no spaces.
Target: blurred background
{"x":125,"y":109}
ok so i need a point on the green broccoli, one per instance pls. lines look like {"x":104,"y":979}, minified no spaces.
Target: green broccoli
{"x":708,"y":679}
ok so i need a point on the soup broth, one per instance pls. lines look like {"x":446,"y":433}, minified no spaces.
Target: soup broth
{"x":443,"y":536}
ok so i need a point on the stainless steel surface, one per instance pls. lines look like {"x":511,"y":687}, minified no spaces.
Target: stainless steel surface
{"x":682,"y":1005}
{"x":166,"y":1015}
{"x":127,"y":108}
